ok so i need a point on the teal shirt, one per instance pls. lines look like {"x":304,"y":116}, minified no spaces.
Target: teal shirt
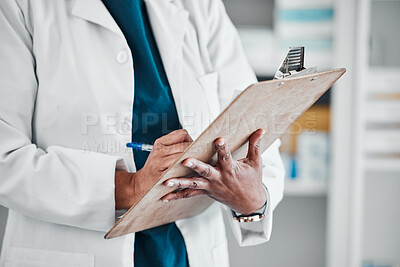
{"x":154,"y":115}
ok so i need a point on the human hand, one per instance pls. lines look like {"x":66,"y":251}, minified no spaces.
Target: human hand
{"x":130,"y":186}
{"x":237,"y":184}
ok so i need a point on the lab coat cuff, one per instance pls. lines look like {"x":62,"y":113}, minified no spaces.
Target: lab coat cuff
{"x":100,"y":191}
{"x":252,"y":233}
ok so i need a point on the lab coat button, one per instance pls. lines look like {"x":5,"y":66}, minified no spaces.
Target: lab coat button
{"x":122,"y":57}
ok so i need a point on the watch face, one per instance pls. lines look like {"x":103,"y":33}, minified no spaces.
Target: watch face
{"x":254,"y":218}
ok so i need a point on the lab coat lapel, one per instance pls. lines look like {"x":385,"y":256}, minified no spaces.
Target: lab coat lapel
{"x":168,"y":23}
{"x":95,"y":12}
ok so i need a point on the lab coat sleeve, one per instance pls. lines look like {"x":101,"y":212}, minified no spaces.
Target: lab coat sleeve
{"x":55,"y":184}
{"x":235,"y":74}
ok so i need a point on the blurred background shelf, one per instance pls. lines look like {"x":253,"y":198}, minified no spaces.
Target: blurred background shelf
{"x":391,"y":165}
{"x":299,"y":189}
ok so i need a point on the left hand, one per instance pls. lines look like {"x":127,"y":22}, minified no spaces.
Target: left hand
{"x":237,"y":184}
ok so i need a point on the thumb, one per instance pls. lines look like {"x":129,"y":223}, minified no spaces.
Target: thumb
{"x":253,"y":153}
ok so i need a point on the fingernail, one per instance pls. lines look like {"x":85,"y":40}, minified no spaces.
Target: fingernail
{"x":170,"y":183}
{"x":165,"y":200}
{"x":188,"y":164}
{"x":221,"y":142}
{"x":263,"y":132}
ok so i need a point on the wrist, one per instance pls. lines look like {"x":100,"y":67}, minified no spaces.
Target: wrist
{"x":255,"y":216}
{"x":124,"y":189}
{"x":256,"y":204}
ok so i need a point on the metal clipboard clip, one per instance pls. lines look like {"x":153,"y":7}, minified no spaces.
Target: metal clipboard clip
{"x":293,"y":64}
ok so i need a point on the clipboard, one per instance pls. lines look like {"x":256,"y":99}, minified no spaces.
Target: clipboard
{"x":272,"y":105}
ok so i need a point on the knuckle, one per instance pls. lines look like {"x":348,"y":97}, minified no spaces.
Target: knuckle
{"x":194,"y":184}
{"x":181,"y":132}
{"x":225,"y":156}
{"x":157,"y":142}
{"x":206,"y":172}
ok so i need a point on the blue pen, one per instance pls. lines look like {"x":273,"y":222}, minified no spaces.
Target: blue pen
{"x":139,"y":146}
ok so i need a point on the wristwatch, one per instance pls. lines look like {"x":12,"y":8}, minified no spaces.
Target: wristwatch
{"x":255,"y":216}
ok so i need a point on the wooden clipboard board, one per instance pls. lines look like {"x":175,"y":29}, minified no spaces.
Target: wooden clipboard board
{"x":272,"y":105}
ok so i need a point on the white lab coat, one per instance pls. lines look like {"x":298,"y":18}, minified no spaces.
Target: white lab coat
{"x":66,"y":96}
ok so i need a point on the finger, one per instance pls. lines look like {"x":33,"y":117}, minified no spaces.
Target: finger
{"x":185,"y":193}
{"x":224,"y":154}
{"x":203,"y":169}
{"x":253,"y":153}
{"x":174,"y":137}
{"x":192,"y":182}
{"x":175,"y":148}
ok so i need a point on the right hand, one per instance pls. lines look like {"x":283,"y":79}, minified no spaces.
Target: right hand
{"x":130,"y":186}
